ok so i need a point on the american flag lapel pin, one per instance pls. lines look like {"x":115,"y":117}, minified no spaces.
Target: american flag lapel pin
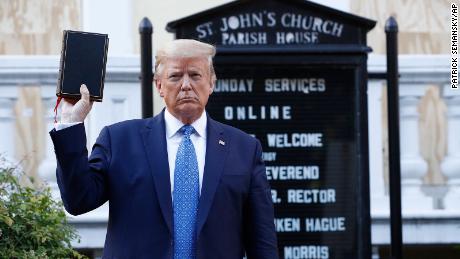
{"x":221,"y":142}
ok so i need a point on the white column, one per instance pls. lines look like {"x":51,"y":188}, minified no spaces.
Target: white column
{"x":379,"y":194}
{"x":7,"y":128}
{"x":451,"y":164}
{"x":413,"y":167}
{"x":117,"y":22}
{"x":47,"y":168}
{"x":342,"y":5}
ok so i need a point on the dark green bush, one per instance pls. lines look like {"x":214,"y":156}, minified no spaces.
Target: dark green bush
{"x":32,"y":224}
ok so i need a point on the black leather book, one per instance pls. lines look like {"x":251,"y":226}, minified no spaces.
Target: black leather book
{"x":83,"y":61}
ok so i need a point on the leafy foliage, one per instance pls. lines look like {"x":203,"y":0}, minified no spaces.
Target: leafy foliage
{"x":32,"y":224}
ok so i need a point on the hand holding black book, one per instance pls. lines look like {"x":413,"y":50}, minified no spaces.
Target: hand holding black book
{"x":83,"y":61}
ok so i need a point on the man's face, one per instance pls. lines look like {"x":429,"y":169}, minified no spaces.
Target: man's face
{"x":185,"y":84}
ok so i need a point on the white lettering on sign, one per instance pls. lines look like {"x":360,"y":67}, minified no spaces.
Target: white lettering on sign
{"x":292,"y":172}
{"x":244,"y":38}
{"x":295,"y":140}
{"x":325,"y":224}
{"x":296,"y":37}
{"x":233,"y":85}
{"x":306,"y":252}
{"x":254,"y":113}
{"x":269,"y":156}
{"x":248,"y":28}
{"x":287,"y":224}
{"x":248,"y":20}
{"x":311,"y":196}
{"x":310,"y":23}
{"x":275,"y":198}
{"x":303,"y":85}
{"x":204,"y":30}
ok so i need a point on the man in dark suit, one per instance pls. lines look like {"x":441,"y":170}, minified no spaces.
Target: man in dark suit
{"x":179,"y":185}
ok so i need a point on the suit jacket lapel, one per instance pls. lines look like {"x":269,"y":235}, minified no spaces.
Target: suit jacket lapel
{"x":155,"y":147}
{"x":216,"y":153}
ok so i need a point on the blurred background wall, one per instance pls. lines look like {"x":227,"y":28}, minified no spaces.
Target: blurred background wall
{"x":30,"y":44}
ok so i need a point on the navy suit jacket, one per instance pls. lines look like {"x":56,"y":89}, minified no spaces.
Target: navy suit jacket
{"x":129,"y":168}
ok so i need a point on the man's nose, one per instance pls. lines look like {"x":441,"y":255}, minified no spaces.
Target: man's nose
{"x":186,"y":85}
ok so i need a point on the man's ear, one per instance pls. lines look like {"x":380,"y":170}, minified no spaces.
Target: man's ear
{"x":158,"y":87}
{"x":213,"y":84}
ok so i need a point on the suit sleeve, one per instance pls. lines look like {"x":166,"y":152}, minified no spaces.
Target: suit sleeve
{"x":82,"y":181}
{"x":260,"y":235}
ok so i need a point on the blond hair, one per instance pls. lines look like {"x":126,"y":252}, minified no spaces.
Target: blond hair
{"x":185,"y":48}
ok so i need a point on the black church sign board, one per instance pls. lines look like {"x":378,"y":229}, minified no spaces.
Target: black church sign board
{"x":293,"y":74}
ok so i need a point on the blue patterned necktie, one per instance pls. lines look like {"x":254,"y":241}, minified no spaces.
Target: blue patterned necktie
{"x":185,"y":197}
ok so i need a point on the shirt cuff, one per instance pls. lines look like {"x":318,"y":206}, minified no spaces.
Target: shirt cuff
{"x":60,"y":125}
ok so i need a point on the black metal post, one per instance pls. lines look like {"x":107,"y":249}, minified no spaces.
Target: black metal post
{"x":146,"y":30}
{"x":391,"y":30}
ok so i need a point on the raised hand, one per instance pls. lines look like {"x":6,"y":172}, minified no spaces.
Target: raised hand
{"x":76,"y":111}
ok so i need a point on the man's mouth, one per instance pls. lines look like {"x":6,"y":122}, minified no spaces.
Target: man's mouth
{"x":187,"y":99}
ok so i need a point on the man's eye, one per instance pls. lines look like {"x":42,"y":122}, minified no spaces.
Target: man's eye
{"x":173,"y":76}
{"x":196,"y":76}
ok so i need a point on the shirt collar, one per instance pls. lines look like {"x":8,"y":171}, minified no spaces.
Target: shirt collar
{"x":173,"y":124}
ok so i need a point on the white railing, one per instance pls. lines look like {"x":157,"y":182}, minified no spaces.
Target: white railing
{"x":426,"y":208}
{"x":121,"y":102}
{"x":431,"y":209}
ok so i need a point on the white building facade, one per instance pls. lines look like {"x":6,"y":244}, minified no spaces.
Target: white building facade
{"x":429,"y":108}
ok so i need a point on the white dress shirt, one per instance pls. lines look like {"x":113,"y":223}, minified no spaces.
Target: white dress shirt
{"x":173,"y":139}
{"x":63,"y":125}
